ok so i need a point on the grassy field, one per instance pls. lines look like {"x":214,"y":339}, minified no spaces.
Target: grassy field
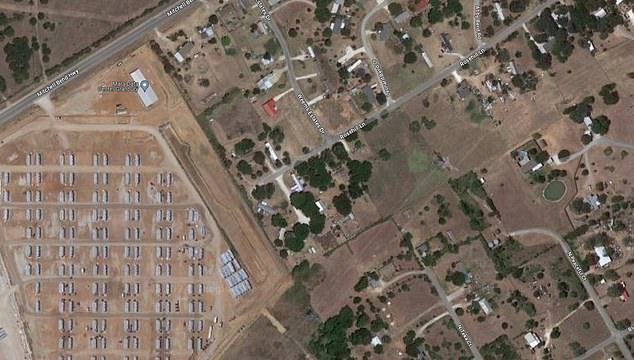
{"x":409,"y":175}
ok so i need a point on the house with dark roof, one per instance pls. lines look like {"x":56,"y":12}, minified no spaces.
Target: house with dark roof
{"x":463,"y":89}
{"x":403,"y":17}
{"x":369,"y":94}
{"x":445,"y":42}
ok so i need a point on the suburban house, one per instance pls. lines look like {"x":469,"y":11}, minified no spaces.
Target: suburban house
{"x":420,"y":6}
{"x":604,"y":258}
{"x":369,"y":94}
{"x":445,"y":43}
{"x":464,"y":89}
{"x":485,"y":306}
{"x":532,"y":340}
{"x":626,"y":11}
{"x":593,"y":201}
{"x":264,"y":209}
{"x":525,"y":156}
{"x":270,"y":108}
{"x":183,"y":51}
{"x":403,"y":17}
{"x":266,"y":82}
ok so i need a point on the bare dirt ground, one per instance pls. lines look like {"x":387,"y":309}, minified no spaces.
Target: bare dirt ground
{"x":262,"y":341}
{"x":229,"y":218}
{"x":521,"y":204}
{"x":345,"y":266}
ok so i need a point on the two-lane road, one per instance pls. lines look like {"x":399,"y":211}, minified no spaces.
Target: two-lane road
{"x":100,"y":56}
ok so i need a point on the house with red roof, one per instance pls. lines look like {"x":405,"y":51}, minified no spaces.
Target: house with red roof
{"x":420,"y":6}
{"x":270,"y":107}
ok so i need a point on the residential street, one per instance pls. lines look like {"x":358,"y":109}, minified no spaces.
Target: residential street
{"x":616,"y":335}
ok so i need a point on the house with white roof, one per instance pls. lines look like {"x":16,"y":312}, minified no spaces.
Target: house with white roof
{"x":604,"y":258}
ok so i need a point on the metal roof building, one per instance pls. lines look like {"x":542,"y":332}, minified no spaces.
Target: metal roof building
{"x":148,"y":96}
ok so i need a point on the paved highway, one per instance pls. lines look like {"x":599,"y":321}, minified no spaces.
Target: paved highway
{"x":615,"y":335}
{"x":98,"y":57}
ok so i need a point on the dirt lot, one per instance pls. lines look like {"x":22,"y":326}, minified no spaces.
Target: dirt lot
{"x":263,"y":341}
{"x":345,"y":266}
{"x":443,"y":340}
{"x":410,"y":301}
{"x":521,"y":204}
{"x":573,"y":329}
{"x":237,"y":222}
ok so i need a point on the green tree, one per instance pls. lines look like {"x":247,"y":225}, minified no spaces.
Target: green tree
{"x":395,"y":9}
{"x":410,"y":58}
{"x":278,"y":220}
{"x":601,"y":125}
{"x":362,"y":284}
{"x":384,"y":154}
{"x":342,"y":204}
{"x":457,"y":278}
{"x":361,"y":336}
{"x":18,"y":57}
{"x":262,"y":192}
{"x":609,"y":94}
{"x":244,"y":167}
{"x":244,"y":146}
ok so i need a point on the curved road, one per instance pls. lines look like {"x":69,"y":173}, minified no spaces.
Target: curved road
{"x":615,"y":335}
{"x":368,"y":47}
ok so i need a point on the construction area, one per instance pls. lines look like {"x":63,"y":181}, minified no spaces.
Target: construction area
{"x":111,"y":247}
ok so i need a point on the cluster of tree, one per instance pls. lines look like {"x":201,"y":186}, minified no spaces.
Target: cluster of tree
{"x":294,"y":239}
{"x":305,"y":202}
{"x":18,"y":55}
{"x":364,"y":281}
{"x":609,"y":94}
{"x":500,"y":348}
{"x":263,"y":192}
{"x":333,"y":338}
{"x":342,"y":203}
{"x":330,"y":341}
{"x":359,"y":173}
{"x":579,"y":111}
{"x":520,"y":302}
{"x":550,"y":29}
{"x":315,"y":171}
{"x":470,"y":184}
{"x":526,"y":81}
{"x":243,"y":147}
{"x":278,"y":220}
{"x":439,"y":11}
{"x":442,"y":211}
{"x":275,"y":135}
{"x":542,"y":60}
{"x":457,"y":278}
{"x":322,"y":10}
{"x":502,"y":256}
{"x":413,"y":344}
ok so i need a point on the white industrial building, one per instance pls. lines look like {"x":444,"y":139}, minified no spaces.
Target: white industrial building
{"x":148,"y":96}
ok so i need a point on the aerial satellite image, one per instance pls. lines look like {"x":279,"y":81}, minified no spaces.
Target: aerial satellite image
{"x":316,"y":179}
